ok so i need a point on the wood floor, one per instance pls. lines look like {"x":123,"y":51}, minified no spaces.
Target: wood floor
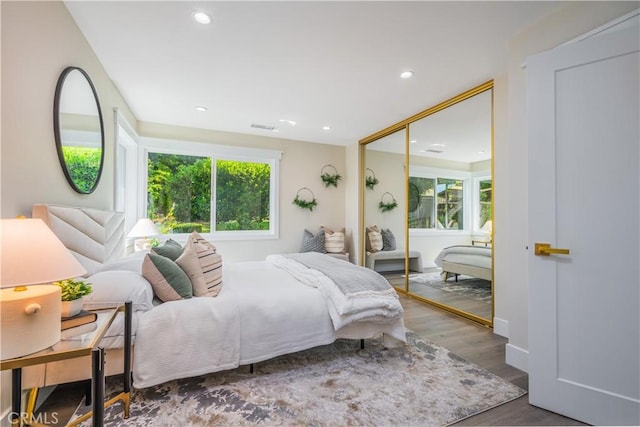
{"x":476,"y":343}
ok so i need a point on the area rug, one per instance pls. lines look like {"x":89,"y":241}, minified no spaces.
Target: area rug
{"x":419,"y":384}
{"x":470,"y":287}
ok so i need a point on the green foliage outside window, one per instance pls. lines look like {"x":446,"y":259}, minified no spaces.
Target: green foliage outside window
{"x":179,"y":191}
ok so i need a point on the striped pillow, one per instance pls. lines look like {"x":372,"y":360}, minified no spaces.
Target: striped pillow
{"x":374,"y":239}
{"x":203,"y":266}
{"x":334,"y":241}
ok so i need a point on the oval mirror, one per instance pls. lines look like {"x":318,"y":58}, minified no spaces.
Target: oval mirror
{"x":78,"y":129}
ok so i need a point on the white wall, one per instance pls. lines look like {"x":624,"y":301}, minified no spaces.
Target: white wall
{"x":568,"y":22}
{"x":39,"y":40}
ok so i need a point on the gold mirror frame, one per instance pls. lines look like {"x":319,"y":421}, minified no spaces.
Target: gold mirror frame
{"x":405,"y":124}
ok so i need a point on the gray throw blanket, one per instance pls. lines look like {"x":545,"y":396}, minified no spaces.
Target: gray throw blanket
{"x":349,"y":278}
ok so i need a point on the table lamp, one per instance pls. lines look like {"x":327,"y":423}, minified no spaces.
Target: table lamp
{"x":31,"y":258}
{"x":143,"y":229}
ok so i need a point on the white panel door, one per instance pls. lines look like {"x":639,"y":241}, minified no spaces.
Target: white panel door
{"x":584,"y":188}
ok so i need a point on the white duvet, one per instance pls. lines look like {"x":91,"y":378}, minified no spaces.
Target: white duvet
{"x":261,"y":312}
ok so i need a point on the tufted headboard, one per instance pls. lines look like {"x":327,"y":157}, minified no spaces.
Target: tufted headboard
{"x":93,"y":236}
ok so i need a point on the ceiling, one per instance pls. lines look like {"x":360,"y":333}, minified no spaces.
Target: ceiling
{"x":327,"y":63}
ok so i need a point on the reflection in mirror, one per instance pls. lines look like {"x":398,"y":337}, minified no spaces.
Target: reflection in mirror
{"x":449,"y":211}
{"x":78,"y":130}
{"x":385,"y":159}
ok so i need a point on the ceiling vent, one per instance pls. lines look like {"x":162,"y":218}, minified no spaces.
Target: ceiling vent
{"x":264,"y":127}
{"x":431,"y":150}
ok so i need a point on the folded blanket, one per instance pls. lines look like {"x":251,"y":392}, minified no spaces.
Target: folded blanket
{"x":352,"y":292}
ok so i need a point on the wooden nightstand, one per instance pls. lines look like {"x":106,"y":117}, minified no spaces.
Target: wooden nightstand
{"x":69,"y":348}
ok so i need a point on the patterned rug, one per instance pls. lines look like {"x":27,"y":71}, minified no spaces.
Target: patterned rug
{"x":470,"y":287}
{"x":339,"y":384}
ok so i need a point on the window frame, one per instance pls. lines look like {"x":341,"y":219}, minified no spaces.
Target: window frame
{"x":477,"y":178}
{"x":435,"y":173}
{"x":216,"y":152}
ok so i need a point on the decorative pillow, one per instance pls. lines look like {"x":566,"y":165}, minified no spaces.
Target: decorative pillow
{"x":374,"y":239}
{"x":118,"y":286}
{"x":204,"y":268}
{"x":170,"y":249}
{"x":388,"y":240}
{"x":334,"y":241}
{"x":195,"y":237}
{"x":168,"y":280}
{"x":311,"y":243}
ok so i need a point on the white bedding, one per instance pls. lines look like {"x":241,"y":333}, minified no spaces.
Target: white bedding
{"x":344,"y":309}
{"x":261,"y":312}
{"x":477,"y":256}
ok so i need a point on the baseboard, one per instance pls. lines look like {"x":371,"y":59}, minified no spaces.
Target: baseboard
{"x":501,"y":327}
{"x":517,"y":357}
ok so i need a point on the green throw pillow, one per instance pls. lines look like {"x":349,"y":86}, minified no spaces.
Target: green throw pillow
{"x":168,"y":280}
{"x":170,"y":249}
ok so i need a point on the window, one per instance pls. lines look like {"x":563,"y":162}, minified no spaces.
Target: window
{"x":229,"y":192}
{"x":126,"y":183}
{"x":436,"y":203}
{"x":485,"y":190}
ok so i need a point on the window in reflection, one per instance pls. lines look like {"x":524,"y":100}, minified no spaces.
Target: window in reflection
{"x":436,"y":203}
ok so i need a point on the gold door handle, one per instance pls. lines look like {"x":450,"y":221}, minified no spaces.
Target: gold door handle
{"x":545,"y":249}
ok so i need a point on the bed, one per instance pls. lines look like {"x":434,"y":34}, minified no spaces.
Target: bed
{"x":283,"y":304}
{"x":474,"y":261}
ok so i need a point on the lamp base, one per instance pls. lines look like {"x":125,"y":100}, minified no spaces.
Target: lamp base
{"x":142,"y":244}
{"x":30,"y":320}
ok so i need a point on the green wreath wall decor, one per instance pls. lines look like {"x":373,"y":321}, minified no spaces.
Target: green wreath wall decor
{"x":370,"y":181}
{"x":303,"y":203}
{"x":330,"y":178}
{"x":387,"y":206}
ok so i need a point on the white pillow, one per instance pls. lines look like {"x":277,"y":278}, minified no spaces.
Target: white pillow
{"x":131,"y":262}
{"x":118,"y":286}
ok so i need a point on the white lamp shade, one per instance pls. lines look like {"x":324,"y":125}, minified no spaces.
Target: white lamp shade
{"x":32,"y":254}
{"x":144,"y":228}
{"x":487,"y":227}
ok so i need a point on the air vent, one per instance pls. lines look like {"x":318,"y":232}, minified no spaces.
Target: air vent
{"x":431,"y":150}
{"x":265,"y":127}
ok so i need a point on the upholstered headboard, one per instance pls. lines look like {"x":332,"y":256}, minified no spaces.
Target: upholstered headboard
{"x":93,"y":236}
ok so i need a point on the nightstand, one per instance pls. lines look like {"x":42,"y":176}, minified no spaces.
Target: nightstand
{"x":71,"y":347}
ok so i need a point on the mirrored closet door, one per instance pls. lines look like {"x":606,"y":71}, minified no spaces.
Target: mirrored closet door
{"x":444,"y":199}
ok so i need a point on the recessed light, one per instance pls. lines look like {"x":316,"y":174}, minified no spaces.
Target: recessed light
{"x":413,"y":141}
{"x":201,"y":108}
{"x":326,"y":127}
{"x":437,"y":145}
{"x":289,"y":122}
{"x":406,"y":74}
{"x":201,"y":17}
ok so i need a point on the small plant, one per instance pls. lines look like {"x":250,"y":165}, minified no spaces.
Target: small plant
{"x":305,"y":204}
{"x":387,"y":206}
{"x":330,"y":178}
{"x":371,"y":181}
{"x":73,"y":289}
